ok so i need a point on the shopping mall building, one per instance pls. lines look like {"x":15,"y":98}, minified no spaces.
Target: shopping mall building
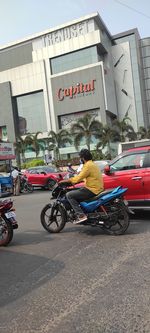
{"x":50,"y":79}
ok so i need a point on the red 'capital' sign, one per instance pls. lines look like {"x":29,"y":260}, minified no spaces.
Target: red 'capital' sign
{"x":79,"y":88}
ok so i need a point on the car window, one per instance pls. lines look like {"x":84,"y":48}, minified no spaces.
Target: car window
{"x":129,"y":162}
{"x":50,"y":169}
{"x":147,"y":160}
{"x":40,"y":170}
{"x":33,"y":171}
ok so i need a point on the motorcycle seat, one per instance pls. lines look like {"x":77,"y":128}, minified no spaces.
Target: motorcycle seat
{"x":98,"y":196}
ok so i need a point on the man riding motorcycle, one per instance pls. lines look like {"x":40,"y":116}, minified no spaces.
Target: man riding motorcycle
{"x":92,"y":177}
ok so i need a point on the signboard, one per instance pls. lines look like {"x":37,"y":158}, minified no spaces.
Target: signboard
{"x":72,"y":91}
{"x":6,"y":151}
{"x":63,"y":34}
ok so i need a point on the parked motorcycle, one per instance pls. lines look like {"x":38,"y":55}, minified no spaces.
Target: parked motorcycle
{"x":25,"y":186}
{"x":108,"y":210}
{"x":7,"y":221}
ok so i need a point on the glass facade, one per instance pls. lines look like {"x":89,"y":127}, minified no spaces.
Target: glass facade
{"x":74,"y":60}
{"x":145,"y":50}
{"x":31,"y":113}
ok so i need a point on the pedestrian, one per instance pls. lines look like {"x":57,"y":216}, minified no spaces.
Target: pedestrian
{"x":16,"y":180}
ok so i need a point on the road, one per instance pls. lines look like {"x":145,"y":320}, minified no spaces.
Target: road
{"x":80,"y":280}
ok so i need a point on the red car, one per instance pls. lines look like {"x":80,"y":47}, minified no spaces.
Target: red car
{"x":131,"y":169}
{"x":44,"y":176}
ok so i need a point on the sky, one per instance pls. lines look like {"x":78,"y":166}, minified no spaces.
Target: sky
{"x":22,"y":18}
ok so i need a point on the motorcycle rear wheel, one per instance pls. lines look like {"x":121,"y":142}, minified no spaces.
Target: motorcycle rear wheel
{"x":53,"y":222}
{"x":122,"y":224}
{"x":6,"y":232}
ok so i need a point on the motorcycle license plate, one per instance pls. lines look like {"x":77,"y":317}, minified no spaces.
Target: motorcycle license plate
{"x":10,"y":215}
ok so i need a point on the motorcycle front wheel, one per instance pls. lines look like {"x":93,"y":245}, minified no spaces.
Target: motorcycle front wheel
{"x":6,"y":232}
{"x":53,"y":219}
{"x":30,"y":188}
{"x":27,"y":188}
{"x":121,"y":224}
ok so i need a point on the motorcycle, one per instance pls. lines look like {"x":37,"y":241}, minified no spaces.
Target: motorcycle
{"x":7,"y":221}
{"x":25,"y":186}
{"x":108,"y":210}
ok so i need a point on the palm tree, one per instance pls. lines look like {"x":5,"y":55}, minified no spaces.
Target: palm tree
{"x":131,"y":134}
{"x":107,"y":136}
{"x":35,"y":144}
{"x":123,"y":127}
{"x":143,"y":133}
{"x":85,"y":128}
{"x":57,"y":141}
{"x":20,"y":147}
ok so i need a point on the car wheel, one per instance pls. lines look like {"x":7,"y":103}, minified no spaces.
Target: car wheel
{"x":50,"y":184}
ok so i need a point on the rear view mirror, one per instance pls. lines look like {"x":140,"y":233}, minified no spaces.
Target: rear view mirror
{"x":107,"y":169}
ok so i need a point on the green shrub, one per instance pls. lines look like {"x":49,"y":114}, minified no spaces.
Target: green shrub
{"x":32,"y":163}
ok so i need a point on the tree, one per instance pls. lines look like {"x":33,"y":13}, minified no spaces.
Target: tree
{"x":20,"y":147}
{"x":131,"y":134}
{"x":143,"y":133}
{"x":123,"y":128}
{"x":35,"y":144}
{"x":85,"y":128}
{"x":57,"y":141}
{"x":107,"y":136}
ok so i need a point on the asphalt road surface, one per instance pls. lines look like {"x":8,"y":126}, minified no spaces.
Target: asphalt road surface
{"x":80,"y":280}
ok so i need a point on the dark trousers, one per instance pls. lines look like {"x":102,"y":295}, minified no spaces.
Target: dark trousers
{"x":76,"y":196}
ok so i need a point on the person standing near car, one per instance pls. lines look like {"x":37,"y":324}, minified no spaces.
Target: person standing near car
{"x":16,"y":181}
{"x":93,"y":179}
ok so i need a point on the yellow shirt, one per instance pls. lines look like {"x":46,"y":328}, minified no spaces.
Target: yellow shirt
{"x":92,"y":177}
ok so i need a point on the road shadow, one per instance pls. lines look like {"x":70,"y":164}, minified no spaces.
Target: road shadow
{"x":139,"y":223}
{"x":30,"y":237}
{"x":140,"y":215}
{"x":81,"y":229}
{"x":22,"y":273}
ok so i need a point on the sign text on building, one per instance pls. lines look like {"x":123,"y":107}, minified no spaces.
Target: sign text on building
{"x":79,"y":88}
{"x":63,"y":34}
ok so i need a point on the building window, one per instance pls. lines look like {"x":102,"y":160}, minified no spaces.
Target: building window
{"x":147,"y":83}
{"x":67,"y":120}
{"x":147,"y":73}
{"x":31,"y":113}
{"x":3,"y":133}
{"x":74,"y":60}
{"x":145,"y":51}
{"x":148,"y":94}
{"x":146,"y":62}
